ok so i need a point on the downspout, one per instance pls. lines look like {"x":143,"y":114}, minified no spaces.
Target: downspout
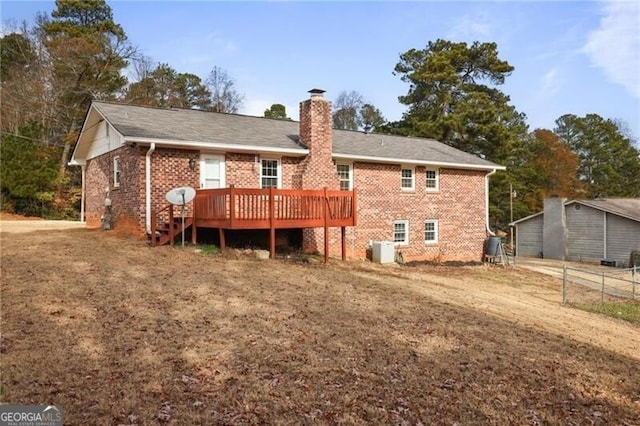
{"x":83,"y":168}
{"x":147,"y":184}
{"x":486,"y":202}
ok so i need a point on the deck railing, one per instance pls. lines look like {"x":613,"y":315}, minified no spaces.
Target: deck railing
{"x":246,"y":208}
{"x":250,"y":208}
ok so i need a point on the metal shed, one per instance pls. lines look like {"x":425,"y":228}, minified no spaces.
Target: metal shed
{"x":592,"y":230}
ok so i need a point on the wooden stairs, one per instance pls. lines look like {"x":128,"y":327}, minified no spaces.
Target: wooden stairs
{"x":165,"y":232}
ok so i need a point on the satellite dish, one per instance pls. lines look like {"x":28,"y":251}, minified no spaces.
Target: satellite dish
{"x":181,"y":196}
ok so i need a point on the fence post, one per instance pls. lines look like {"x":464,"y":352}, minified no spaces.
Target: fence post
{"x":633,"y":282}
{"x":564,"y":284}
{"x":602,"y":295}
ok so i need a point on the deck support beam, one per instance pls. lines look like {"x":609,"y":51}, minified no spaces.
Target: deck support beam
{"x":344,"y":245}
{"x":326,"y":226}
{"x":223,"y":244}
{"x":272,"y":224}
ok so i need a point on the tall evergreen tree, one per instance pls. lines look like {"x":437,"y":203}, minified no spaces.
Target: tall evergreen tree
{"x":609,"y":161}
{"x":276,"y":111}
{"x":453,"y":98}
{"x":87,"y":51}
{"x":163,"y":87}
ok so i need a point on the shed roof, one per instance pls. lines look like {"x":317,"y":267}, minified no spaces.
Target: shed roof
{"x":187,"y":127}
{"x":625,"y":207}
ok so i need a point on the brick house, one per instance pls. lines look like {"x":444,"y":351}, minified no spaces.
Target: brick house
{"x":427,"y":197}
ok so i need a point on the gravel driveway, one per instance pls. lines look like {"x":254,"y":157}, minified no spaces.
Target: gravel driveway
{"x":22,"y":226}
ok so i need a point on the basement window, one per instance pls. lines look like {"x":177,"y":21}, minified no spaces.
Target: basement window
{"x":430,"y":231}
{"x":401,"y":232}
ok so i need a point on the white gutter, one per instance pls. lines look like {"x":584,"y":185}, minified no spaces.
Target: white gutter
{"x":147,"y":186}
{"x":82,"y":193}
{"x":368,"y":158}
{"x":299,"y":152}
{"x":486,"y":202}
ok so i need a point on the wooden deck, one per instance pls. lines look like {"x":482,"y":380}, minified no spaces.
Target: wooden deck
{"x":249,"y":208}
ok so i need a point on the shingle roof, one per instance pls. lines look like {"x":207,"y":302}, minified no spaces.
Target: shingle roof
{"x":218,"y":128}
{"x":625,"y":207}
{"x":199,"y":126}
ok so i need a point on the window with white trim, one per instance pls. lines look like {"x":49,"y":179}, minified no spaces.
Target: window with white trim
{"x":116,"y":172}
{"x":430,"y":231}
{"x":408,"y":178}
{"x":269,"y":173}
{"x":432,"y":179}
{"x":345,"y":175}
{"x":401,"y":232}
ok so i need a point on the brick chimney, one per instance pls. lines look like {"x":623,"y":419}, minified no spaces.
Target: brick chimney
{"x":317,"y":170}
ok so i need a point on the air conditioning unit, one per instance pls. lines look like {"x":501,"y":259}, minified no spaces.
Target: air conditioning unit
{"x":382,"y":252}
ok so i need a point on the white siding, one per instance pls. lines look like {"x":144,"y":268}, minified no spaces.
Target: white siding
{"x":585,"y":233}
{"x":106,"y":139}
{"x":623,"y":236}
{"x":529,"y":237}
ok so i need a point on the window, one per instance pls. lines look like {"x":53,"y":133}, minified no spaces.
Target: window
{"x":401,"y":232}
{"x":116,"y":172}
{"x":346,"y":177}
{"x":270,"y":174}
{"x":408,"y":179}
{"x":431,"y":231}
{"x":432,"y":180}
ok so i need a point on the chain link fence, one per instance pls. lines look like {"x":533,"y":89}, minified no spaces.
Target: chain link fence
{"x":583,"y":286}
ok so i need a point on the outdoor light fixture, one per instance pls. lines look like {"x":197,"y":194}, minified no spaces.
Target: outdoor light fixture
{"x":192,"y":162}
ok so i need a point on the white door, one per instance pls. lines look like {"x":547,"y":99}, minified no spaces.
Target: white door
{"x":212,"y":171}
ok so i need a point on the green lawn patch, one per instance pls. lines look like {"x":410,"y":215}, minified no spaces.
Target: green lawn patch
{"x":627,"y":310}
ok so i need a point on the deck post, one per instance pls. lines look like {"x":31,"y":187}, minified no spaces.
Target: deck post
{"x":223,"y":244}
{"x":194,"y":238}
{"x":232,"y":207}
{"x":272,"y":228}
{"x":354,"y":207}
{"x":344,"y":245}
{"x":171,"y":234}
{"x":326,"y":226}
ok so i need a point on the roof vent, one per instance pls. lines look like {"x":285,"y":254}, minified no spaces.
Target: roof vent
{"x":316,"y":93}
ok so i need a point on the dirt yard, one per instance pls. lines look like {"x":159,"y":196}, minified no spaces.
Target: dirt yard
{"x":119,"y":333}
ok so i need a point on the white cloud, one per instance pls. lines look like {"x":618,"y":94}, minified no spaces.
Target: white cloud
{"x":470,"y":27}
{"x":550,"y":83}
{"x":221,"y":43}
{"x":615,"y":45}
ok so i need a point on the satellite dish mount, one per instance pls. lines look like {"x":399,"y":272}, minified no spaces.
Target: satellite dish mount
{"x":180,"y":197}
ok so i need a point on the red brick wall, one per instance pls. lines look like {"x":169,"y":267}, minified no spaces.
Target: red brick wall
{"x":458,"y":205}
{"x":124,"y":199}
{"x":170,"y":169}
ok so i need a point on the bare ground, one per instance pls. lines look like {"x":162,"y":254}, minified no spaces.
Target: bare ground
{"x":118,"y":333}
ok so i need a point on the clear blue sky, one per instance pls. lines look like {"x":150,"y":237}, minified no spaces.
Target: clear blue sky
{"x":569,"y":57}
